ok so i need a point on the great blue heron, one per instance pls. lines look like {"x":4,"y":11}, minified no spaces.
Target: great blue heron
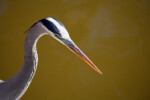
{"x":14,"y":88}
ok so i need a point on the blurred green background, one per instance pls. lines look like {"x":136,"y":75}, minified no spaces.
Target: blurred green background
{"x":114,"y":34}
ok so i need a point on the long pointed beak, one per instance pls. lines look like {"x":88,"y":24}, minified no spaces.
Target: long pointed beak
{"x":71,"y":45}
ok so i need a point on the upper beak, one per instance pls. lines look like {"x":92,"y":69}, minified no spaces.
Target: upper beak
{"x":71,"y":45}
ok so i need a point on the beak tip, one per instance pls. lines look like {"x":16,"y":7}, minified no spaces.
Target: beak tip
{"x":77,"y":51}
{"x":99,"y":72}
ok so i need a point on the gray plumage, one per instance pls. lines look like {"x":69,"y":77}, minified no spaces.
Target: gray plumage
{"x":1,"y":81}
{"x":15,"y":87}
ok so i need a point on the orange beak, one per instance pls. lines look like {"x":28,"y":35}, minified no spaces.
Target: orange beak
{"x":71,"y":45}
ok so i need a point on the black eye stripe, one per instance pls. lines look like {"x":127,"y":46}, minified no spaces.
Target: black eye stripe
{"x":59,"y":22}
{"x":51,"y":26}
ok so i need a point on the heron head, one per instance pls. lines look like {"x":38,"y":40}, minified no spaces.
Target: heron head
{"x":58,"y":31}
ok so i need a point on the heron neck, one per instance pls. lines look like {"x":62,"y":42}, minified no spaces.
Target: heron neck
{"x":31,"y":39}
{"x":30,"y":63}
{"x":17,"y":85}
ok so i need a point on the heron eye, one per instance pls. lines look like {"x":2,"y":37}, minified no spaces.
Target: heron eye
{"x":56,"y":35}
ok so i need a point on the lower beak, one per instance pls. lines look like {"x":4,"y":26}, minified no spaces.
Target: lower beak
{"x":71,"y":45}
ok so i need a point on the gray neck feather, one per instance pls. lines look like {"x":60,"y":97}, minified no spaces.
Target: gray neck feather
{"x":15,"y":87}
